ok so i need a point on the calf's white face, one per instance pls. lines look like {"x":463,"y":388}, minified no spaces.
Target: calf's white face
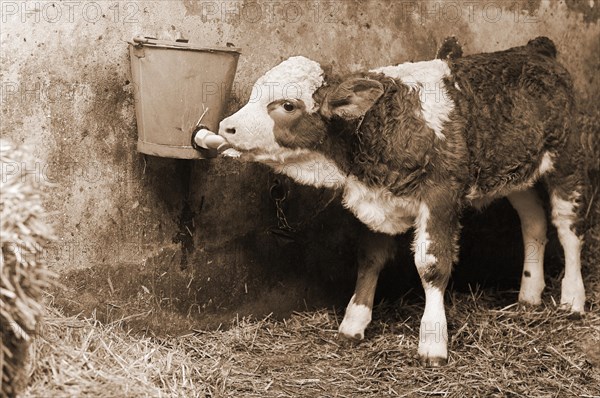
{"x":280,"y":97}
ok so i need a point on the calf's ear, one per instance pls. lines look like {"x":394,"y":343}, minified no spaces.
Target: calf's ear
{"x":352,"y":98}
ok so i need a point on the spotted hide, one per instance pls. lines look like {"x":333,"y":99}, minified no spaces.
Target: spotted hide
{"x":412,"y":145}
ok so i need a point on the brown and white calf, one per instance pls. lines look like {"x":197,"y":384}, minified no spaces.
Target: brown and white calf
{"x":412,"y":145}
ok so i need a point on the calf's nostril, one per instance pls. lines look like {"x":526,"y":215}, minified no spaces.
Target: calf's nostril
{"x":230,"y":130}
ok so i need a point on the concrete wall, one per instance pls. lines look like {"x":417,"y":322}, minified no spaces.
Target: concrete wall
{"x":137,"y":233}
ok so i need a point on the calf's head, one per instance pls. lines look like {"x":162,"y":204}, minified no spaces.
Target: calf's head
{"x":292,"y":107}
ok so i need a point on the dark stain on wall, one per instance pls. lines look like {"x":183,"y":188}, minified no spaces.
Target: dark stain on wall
{"x":187,"y":227}
{"x":530,"y":6}
{"x":589,"y":10}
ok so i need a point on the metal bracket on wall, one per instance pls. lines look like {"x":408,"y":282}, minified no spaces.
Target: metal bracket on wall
{"x":278,"y":193}
{"x":138,"y":51}
{"x":284,"y":232}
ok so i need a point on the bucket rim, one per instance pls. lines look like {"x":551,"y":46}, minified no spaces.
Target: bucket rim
{"x":151,"y":42}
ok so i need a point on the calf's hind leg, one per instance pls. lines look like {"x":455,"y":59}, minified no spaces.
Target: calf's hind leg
{"x":533,"y":226}
{"x":376,"y":249}
{"x":565,"y":213}
{"x":564,"y":186}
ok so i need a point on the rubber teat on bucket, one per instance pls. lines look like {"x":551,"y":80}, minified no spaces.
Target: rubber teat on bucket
{"x":206,"y":139}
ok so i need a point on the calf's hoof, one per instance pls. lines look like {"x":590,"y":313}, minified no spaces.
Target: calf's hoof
{"x":348,"y":334}
{"x":346,"y":341}
{"x":526,"y":305}
{"x":356,"y":320}
{"x":433,"y":353}
{"x":576,"y":309}
{"x":531,"y":300}
{"x":432,"y":362}
{"x":574,"y":313}
{"x":572,"y":297}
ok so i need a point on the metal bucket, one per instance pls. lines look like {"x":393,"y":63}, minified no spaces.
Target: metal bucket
{"x":175,"y":85}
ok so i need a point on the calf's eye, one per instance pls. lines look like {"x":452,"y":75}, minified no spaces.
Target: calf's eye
{"x":289,"y":107}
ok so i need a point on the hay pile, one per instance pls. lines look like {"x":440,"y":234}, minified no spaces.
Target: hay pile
{"x":22,"y":275}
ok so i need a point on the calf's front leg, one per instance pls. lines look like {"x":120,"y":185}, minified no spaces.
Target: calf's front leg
{"x":435,"y":248}
{"x":375,"y":250}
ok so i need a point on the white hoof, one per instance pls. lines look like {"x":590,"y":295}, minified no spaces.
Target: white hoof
{"x":532,"y":287}
{"x":433,"y":353}
{"x":433,"y":344}
{"x":530,"y":297}
{"x":356,"y":320}
{"x":573,"y":295}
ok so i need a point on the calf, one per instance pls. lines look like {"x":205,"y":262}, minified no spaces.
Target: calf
{"x":412,"y":145}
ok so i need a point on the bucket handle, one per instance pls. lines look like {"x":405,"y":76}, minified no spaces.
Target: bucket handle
{"x":152,"y":41}
{"x":143,"y":40}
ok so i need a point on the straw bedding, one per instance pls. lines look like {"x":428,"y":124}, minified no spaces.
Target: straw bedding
{"x":495,"y":351}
